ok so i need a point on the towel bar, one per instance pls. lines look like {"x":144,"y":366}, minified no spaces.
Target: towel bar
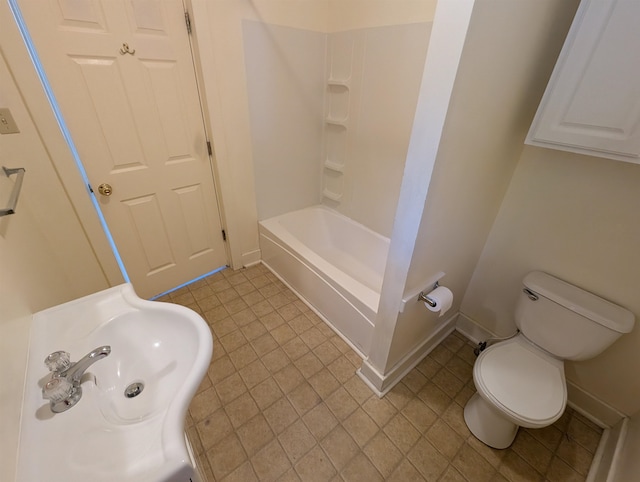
{"x":15,"y":193}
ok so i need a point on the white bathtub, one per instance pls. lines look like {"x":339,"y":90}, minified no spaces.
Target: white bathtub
{"x":333,"y":263}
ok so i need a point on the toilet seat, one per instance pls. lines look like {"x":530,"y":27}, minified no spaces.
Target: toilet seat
{"x":522,"y":381}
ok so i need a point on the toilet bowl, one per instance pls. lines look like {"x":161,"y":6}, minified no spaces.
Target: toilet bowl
{"x":521,"y":381}
{"x":518,"y":385}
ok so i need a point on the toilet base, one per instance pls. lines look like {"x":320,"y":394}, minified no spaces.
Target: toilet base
{"x":487,"y":424}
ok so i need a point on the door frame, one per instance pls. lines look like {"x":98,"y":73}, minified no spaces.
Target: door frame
{"x":238,"y":216}
{"x":206,"y":121}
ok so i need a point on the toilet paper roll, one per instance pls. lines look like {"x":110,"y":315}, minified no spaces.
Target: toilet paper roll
{"x":443,"y":298}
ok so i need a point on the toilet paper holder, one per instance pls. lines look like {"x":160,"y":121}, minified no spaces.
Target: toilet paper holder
{"x":423,"y":297}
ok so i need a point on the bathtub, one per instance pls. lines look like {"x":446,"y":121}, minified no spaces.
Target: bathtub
{"x":335,"y":264}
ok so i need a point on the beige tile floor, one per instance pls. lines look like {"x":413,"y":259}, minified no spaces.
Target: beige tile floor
{"x":282,"y":401}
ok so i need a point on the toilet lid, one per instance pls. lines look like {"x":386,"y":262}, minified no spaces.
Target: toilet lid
{"x":522,"y":381}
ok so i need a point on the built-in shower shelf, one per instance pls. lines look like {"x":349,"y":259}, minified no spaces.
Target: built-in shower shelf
{"x":338,"y":83}
{"x":334,"y":196}
{"x":336,"y":122}
{"x":334,"y":166}
{"x":336,"y":129}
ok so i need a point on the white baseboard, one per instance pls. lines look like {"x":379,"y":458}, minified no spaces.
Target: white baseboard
{"x":608,"y":455}
{"x":380,"y":383}
{"x":251,"y":258}
{"x":471,"y":329}
{"x":599,"y":412}
{"x":371,"y":376}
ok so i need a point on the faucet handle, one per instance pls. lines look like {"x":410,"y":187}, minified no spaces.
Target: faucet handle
{"x":57,"y":389}
{"x":58,"y":361}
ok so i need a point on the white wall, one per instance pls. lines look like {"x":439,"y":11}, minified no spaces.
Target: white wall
{"x":359,"y":14}
{"x":285,"y":84}
{"x":575,"y":217}
{"x":508,"y":55}
{"x":446,"y":43}
{"x":287,"y":71}
{"x":45,"y":257}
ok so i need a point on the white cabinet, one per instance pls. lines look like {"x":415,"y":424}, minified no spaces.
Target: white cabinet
{"x":592,"y":103}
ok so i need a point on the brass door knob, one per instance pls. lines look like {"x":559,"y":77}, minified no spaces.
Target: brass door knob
{"x":105,"y":189}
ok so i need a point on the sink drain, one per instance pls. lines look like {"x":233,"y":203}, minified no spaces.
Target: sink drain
{"x":134,"y":389}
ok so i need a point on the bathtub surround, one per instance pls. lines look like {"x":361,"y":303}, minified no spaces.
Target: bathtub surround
{"x":331,"y":116}
{"x":218,"y":34}
{"x":373,"y":78}
{"x":285,"y":82}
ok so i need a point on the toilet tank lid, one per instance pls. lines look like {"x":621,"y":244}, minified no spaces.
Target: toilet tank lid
{"x":580,"y":301}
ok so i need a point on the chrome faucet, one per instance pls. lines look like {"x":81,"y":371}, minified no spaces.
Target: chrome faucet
{"x":63,"y":389}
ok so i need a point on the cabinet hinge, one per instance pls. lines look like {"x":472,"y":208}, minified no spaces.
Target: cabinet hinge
{"x":187,"y":20}
{"x":224,"y":235}
{"x":209,"y":148}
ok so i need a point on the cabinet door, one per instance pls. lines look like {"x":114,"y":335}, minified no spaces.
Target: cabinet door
{"x":592,"y":103}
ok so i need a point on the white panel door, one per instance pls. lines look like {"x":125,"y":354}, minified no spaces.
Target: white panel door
{"x":123,"y":74}
{"x":592,"y":102}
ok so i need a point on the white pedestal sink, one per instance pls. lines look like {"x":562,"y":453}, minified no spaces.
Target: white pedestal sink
{"x":107,"y":436}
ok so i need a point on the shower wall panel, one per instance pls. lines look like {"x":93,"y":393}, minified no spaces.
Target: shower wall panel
{"x":285,"y":80}
{"x":331,"y":116}
{"x":373,"y":79}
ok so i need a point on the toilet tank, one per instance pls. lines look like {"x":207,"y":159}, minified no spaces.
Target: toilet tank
{"x":567,"y":321}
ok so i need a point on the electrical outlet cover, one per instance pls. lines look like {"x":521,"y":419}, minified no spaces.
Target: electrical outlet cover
{"x":7,"y":124}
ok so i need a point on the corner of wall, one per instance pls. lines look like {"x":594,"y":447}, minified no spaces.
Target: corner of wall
{"x":218,"y":39}
{"x":625,"y":464}
{"x":250,"y":258}
{"x":446,"y":43}
{"x":382,"y":383}
{"x":14,"y":343}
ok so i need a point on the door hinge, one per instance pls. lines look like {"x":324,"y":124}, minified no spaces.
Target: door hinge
{"x":209,"y":148}
{"x":187,"y":20}
{"x":224,"y":235}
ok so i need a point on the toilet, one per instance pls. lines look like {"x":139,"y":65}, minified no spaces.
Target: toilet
{"x":520,"y":382}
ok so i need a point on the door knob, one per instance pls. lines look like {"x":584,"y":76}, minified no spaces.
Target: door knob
{"x":105,"y":189}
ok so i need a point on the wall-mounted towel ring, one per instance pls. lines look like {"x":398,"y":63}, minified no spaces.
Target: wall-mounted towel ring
{"x":125,"y":49}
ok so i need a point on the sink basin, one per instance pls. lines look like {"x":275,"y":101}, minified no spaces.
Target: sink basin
{"x":164,"y":349}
